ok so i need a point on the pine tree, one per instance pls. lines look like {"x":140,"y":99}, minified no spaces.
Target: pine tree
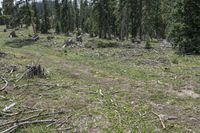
{"x":64,"y":16}
{"x":104,"y":10}
{"x":36,"y":16}
{"x":45,"y":21}
{"x":187,"y":26}
{"x":8,"y":10}
{"x":134,"y":15}
{"x":76,"y":13}
{"x":57,"y":18}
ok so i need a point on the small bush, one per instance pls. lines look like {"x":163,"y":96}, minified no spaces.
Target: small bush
{"x":175,"y":61}
{"x":148,"y":45}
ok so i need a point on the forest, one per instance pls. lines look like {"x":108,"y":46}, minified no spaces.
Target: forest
{"x":99,"y":66}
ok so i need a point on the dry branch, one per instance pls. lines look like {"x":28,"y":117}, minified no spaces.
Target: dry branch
{"x":43,"y":84}
{"x":31,"y":117}
{"x":161,"y":121}
{"x":17,"y":125}
{"x":6,"y":83}
{"x":8,"y":107}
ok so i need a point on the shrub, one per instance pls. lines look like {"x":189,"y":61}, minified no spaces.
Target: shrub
{"x":148,"y":45}
{"x":185,"y":33}
{"x":175,"y":61}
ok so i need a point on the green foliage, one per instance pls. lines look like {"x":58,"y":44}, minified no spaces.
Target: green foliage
{"x":57,"y":21}
{"x":186,"y":31}
{"x":105,"y":17}
{"x":36,"y":18}
{"x":148,"y":45}
{"x":4,"y":19}
{"x":175,"y":61}
{"x":65,"y":16}
{"x":45,"y":21}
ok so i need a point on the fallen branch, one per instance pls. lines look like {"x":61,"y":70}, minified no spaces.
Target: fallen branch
{"x":43,"y":84}
{"x":6,"y":84}
{"x":20,"y":124}
{"x":8,"y":107}
{"x":161,"y":121}
{"x":31,"y":117}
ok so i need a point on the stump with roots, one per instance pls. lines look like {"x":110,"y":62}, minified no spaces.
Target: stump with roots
{"x":35,"y":70}
{"x":13,"y":34}
{"x":2,"y":54}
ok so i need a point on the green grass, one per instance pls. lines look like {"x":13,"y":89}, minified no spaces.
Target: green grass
{"x":111,"y":89}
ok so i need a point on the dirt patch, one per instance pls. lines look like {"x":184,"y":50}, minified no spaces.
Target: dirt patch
{"x":149,"y":62}
{"x":188,"y":93}
{"x":177,"y":114}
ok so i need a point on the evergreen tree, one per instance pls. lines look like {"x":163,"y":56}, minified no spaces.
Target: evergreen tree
{"x":36,"y":16}
{"x":104,"y":10}
{"x":8,"y":10}
{"x":65,"y":24}
{"x":134,"y":15}
{"x":57,"y":18}
{"x":187,"y":26}
{"x":45,"y":21}
{"x":76,"y":13}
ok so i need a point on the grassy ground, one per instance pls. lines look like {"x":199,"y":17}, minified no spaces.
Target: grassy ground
{"x":110,"y":89}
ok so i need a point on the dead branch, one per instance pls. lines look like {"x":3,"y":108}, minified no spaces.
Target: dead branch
{"x":22,"y":76}
{"x":8,"y":107}
{"x":43,"y":84}
{"x":32,"y":117}
{"x":161,"y":121}
{"x":64,"y":122}
{"x":20,"y":124}
{"x":6,"y":83}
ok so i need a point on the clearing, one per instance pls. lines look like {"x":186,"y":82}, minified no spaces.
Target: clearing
{"x":97,"y":89}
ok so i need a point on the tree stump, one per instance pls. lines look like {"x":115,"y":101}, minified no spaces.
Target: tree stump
{"x":35,"y":37}
{"x":68,"y":43}
{"x":2,"y":54}
{"x":13,"y":34}
{"x":34,"y":70}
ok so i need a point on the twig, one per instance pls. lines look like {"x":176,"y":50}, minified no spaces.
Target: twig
{"x":22,"y":76}
{"x":41,"y":84}
{"x":31,"y":117}
{"x":64,"y":122}
{"x":6,"y":84}
{"x":63,"y":129}
{"x":17,"y":125}
{"x":161,"y":121}
{"x":8,"y":107}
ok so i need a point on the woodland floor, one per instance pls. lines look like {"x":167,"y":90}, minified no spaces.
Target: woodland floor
{"x":99,"y":90}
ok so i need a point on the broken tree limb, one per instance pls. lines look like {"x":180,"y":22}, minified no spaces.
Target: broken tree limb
{"x":161,"y":121}
{"x":31,"y":118}
{"x":8,"y":107}
{"x":6,"y":83}
{"x":43,"y":84}
{"x":20,"y":124}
